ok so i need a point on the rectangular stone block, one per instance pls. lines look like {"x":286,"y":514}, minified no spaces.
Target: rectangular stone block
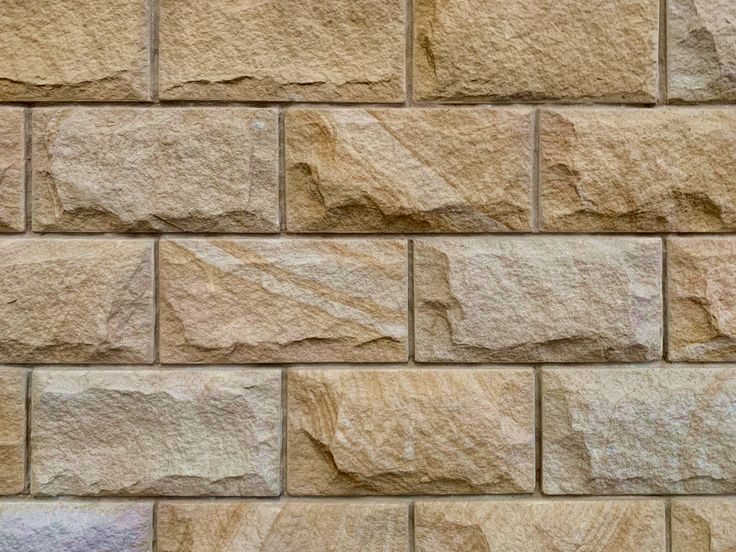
{"x":541,"y":526}
{"x":639,"y":430}
{"x":537,"y":299}
{"x":12,"y":169}
{"x":76,"y":301}
{"x":535,"y":50}
{"x":296,"y":50}
{"x":638,"y":170}
{"x":156,"y":432}
{"x":703,"y":525}
{"x":391,"y":432}
{"x":148,"y":170}
{"x":291,"y":300}
{"x":12,"y":430}
{"x":281,"y":526}
{"x":74,"y":50}
{"x":408,"y":170}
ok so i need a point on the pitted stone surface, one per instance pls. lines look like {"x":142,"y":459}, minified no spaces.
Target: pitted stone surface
{"x":703,"y":525}
{"x":12,"y":170}
{"x":12,"y":430}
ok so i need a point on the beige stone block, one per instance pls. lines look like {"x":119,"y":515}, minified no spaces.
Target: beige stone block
{"x":12,"y":431}
{"x":703,"y":525}
{"x":12,"y":170}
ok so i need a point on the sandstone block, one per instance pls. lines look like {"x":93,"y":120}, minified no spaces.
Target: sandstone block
{"x":639,"y":430}
{"x":156,"y":432}
{"x":70,"y":300}
{"x":537,"y":299}
{"x":703,"y":525}
{"x":12,"y":431}
{"x":408,"y":170}
{"x":12,"y":170}
{"x":410,"y":431}
{"x":303,"y":50}
{"x":147,"y":170}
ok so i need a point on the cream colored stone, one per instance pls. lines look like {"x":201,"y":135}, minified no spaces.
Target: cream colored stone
{"x":305,"y":50}
{"x":703,"y":525}
{"x":12,"y":430}
{"x":701,"y":50}
{"x":701,"y":297}
{"x":537,"y":299}
{"x":281,"y":527}
{"x":72,"y":300}
{"x":72,"y":50}
{"x":488,"y":50}
{"x":541,"y":526}
{"x":156,"y":432}
{"x":12,"y":170}
{"x":443,"y":431}
{"x":639,"y":430}
{"x":408,"y":170}
{"x":291,"y":300}
{"x":638,"y":170}
{"x":143,"y":170}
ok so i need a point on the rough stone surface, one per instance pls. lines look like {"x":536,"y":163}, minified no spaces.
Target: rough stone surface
{"x":12,"y":430}
{"x":71,"y":301}
{"x":144,"y":432}
{"x":408,"y":170}
{"x":537,"y":299}
{"x":540,"y":526}
{"x":307,"y":50}
{"x":701,"y":49}
{"x":701,"y":295}
{"x":638,"y":170}
{"x":409,"y":431}
{"x":143,"y":170}
{"x":283,"y":301}
{"x":703,"y":525}
{"x":281,"y":527}
{"x":632,"y":430}
{"x":66,"y":50}
{"x":36,"y":526}
{"x":535,"y":50}
{"x":12,"y":170}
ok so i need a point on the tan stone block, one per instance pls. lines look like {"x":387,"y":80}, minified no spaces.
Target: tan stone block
{"x":71,"y":301}
{"x":537,"y":299}
{"x":12,"y":431}
{"x":489,"y":50}
{"x":281,"y":527}
{"x":74,"y":50}
{"x":293,"y":300}
{"x":638,"y":170}
{"x":443,"y":431}
{"x":156,"y":432}
{"x":12,"y":170}
{"x":147,"y":170}
{"x":639,"y":430}
{"x":703,"y":525}
{"x":304,"y":50}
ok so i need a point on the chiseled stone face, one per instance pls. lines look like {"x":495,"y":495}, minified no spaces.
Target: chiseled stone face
{"x":703,"y":525}
{"x":65,"y":50}
{"x":281,"y":526}
{"x":540,"y":526}
{"x":12,"y":170}
{"x":638,"y":170}
{"x":12,"y":431}
{"x":156,"y":432}
{"x":73,"y":300}
{"x":41,"y":526}
{"x":538,"y":49}
{"x":701,"y":293}
{"x":639,"y":430}
{"x":701,"y":50}
{"x":288,"y":300}
{"x":408,"y":170}
{"x":304,"y":50}
{"x":537,"y":299}
{"x":143,"y":170}
{"x":445,"y":431}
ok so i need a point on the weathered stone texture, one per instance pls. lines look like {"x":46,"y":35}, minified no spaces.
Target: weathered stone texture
{"x":408,"y":170}
{"x":539,"y":49}
{"x":144,"y":432}
{"x":540,"y":526}
{"x":12,"y":170}
{"x":12,"y":430}
{"x":66,"y":50}
{"x":143,"y":170}
{"x":630,"y":430}
{"x":306,"y":50}
{"x":281,"y":527}
{"x":407,"y":431}
{"x":704,"y":525}
{"x":72,"y":301}
{"x":537,"y":299}
{"x":293,"y":300}
{"x":638,"y":170}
